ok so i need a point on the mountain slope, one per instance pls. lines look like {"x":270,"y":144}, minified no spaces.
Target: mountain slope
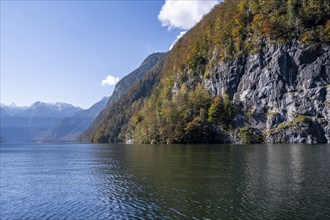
{"x":125,"y":83}
{"x":127,"y":90}
{"x":250,"y":71}
{"x":69,"y":128}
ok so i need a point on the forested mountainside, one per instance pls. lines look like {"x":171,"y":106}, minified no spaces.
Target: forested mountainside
{"x":250,"y":71}
{"x":131,"y":87}
{"x":125,"y":83}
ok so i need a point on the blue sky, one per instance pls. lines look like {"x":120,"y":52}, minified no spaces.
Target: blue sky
{"x":75,"y":51}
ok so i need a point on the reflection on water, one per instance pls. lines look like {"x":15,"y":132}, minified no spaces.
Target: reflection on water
{"x":74,"y":181}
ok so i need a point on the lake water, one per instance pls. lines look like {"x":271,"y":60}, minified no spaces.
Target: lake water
{"x":82,"y":181}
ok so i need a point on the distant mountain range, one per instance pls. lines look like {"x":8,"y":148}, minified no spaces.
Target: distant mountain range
{"x":41,"y":109}
{"x":70,"y":127}
{"x":46,"y":121}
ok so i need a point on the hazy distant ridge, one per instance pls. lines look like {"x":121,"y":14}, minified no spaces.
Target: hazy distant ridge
{"x":46,"y":121}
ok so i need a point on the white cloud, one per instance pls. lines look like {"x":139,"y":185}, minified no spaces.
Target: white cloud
{"x":184,"y":14}
{"x":177,"y":38}
{"x":110,"y":80}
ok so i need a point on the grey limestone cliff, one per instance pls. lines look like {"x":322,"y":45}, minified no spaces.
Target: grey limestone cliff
{"x":283,"y":91}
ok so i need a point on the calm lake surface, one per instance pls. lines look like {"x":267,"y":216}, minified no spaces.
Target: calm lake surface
{"x":82,"y":181}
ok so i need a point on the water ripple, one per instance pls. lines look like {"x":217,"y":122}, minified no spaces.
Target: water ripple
{"x":164,"y":182}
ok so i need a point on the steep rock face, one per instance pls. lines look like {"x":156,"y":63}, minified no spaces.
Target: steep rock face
{"x":277,"y":85}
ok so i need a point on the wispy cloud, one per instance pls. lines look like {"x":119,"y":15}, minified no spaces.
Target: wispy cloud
{"x":110,"y":80}
{"x":184,"y":14}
